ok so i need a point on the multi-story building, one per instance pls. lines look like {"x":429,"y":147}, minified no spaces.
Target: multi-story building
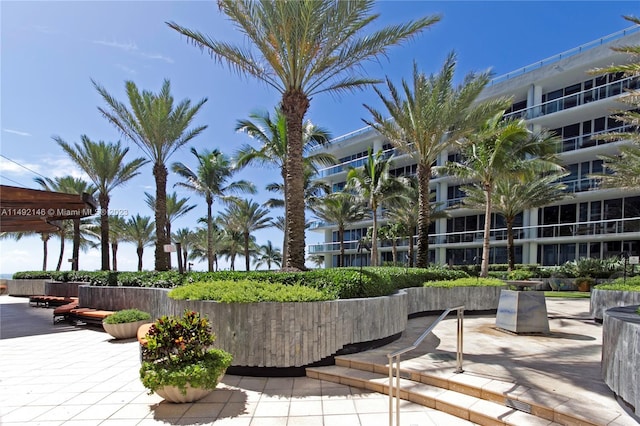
{"x":558,"y":94}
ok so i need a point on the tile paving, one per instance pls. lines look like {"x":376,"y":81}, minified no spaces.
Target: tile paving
{"x":63,"y":375}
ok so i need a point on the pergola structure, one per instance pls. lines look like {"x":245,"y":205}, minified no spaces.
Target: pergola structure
{"x":32,"y":210}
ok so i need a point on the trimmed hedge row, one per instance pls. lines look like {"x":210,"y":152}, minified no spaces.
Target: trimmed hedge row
{"x":620,"y":284}
{"x":336,"y":283}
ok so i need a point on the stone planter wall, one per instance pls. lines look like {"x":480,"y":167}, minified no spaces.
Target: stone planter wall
{"x":621,"y":353}
{"x":601,"y":300}
{"x":428,"y":299}
{"x":26,"y":287}
{"x":271,"y":334}
{"x":62,"y":289}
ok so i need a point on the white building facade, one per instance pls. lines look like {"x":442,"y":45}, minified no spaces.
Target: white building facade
{"x":557,"y":94}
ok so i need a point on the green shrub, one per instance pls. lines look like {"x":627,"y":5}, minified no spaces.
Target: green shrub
{"x":620,"y":284}
{"x":467,"y":282}
{"x":589,"y":267}
{"x":178,"y":353}
{"x":247,"y":292}
{"x":519,"y":275}
{"x":127,"y":315}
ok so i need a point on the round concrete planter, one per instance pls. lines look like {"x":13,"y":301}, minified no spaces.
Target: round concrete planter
{"x":621,"y":353}
{"x":125,"y":330}
{"x":601,"y":300}
{"x":173,"y":394}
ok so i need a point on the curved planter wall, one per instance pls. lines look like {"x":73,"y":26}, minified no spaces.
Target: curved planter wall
{"x":271,"y":334}
{"x":621,"y":353}
{"x":427,"y":299}
{"x":26,"y":287}
{"x":601,"y":300}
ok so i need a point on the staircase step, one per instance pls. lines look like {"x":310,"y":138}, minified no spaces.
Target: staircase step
{"x":458,"y":404}
{"x":541,"y":405}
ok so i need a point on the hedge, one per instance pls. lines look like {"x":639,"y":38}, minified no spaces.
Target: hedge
{"x":247,"y":291}
{"x":620,"y":284}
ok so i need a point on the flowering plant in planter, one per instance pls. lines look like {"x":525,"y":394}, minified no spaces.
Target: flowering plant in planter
{"x":178,"y":354}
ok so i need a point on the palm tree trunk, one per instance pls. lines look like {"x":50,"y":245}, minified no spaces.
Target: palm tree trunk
{"x":114,"y":253}
{"x":294,"y":106}
{"x":215,"y":260}
{"x":103,"y":199}
{"x":168,"y":228}
{"x":394,"y":251}
{"x":286,"y":234}
{"x":341,"y":239}
{"x":140,"y":250}
{"x":411,"y":250}
{"x":246,"y":251}
{"x":511,"y":251}
{"x":424,"y":219}
{"x":232,"y":264}
{"x":185,"y":256}
{"x":61,"y":256}
{"x":75,"y":265}
{"x":160,"y":174}
{"x":374,"y":236}
{"x":209,"y":235}
{"x":484,"y":269}
{"x":45,"y":240}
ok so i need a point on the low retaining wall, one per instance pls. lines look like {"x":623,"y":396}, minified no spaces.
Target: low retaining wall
{"x":429,"y":299}
{"x":601,"y":300}
{"x":621,"y":353}
{"x":26,"y":287}
{"x":271,"y":334}
{"x":62,"y":289}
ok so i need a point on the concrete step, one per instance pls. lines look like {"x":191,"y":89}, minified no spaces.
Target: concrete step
{"x":458,"y":404}
{"x":536,"y":406}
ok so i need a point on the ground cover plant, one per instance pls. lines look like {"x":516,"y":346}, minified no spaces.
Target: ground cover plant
{"x":568,"y":294}
{"x":248,"y":292}
{"x":467,"y":282}
{"x":127,"y":315}
{"x":621,"y":284}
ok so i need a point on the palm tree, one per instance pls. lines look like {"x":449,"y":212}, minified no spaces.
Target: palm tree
{"x":245,"y":217}
{"x":429,"y":116}
{"x":210,"y":180}
{"x":44,"y":236}
{"x":268,"y":254}
{"x":512,"y":195}
{"x":303,"y":48}
{"x":68,"y":185}
{"x":185,"y":237}
{"x":158,"y":128}
{"x":117,"y":225}
{"x":375,"y":185}
{"x":317,"y":259}
{"x":405,"y":212}
{"x":105,"y":165}
{"x":341,"y":209}
{"x":272,"y":133}
{"x":231,"y":243}
{"x":501,"y":148}
{"x":140,"y":231}
{"x":176,"y":208}
{"x":622,"y":170}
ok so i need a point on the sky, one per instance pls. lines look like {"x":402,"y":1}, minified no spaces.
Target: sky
{"x":50,"y":51}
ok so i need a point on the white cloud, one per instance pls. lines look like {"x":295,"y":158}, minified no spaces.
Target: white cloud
{"x":18,"y":167}
{"x":16,"y":132}
{"x":126,"y":69}
{"x":129,"y":47}
{"x":158,"y":56}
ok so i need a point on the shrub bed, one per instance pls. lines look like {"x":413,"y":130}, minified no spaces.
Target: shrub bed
{"x":247,"y":291}
{"x":466,"y":282}
{"x":620,"y":284}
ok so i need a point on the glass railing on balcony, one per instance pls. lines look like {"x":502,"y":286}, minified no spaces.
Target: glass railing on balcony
{"x":539,"y":232}
{"x":580,"y":185}
{"x":586,"y":96}
{"x":591,"y":139}
{"x":343,"y":167}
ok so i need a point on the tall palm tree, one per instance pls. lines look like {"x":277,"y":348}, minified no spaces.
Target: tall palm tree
{"x":268,"y":254}
{"x":140,"y":231}
{"x":428,"y":117}
{"x":512,"y":195}
{"x":622,"y":170}
{"x":376,"y":186}
{"x":210,"y":180}
{"x":341,"y":209}
{"x":185,"y":237}
{"x":405,"y":212}
{"x":176,"y":208}
{"x":68,"y":185}
{"x":245,"y":217}
{"x":231,"y":243}
{"x":117,"y":225}
{"x":272,"y":134}
{"x":502,"y":148}
{"x":303,"y":48}
{"x":105,"y":165}
{"x":158,"y":128}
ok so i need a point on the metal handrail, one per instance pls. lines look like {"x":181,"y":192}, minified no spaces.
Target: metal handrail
{"x":415,"y":344}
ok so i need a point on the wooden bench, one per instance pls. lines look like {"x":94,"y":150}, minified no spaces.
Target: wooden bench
{"x":50,"y":301}
{"x":88,"y":316}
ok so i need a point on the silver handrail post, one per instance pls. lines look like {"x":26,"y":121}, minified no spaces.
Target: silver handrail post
{"x":460,"y":340}
{"x":398,"y":391}
{"x":390,"y":360}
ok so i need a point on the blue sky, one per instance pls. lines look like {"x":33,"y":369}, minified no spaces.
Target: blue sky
{"x":51,"y":50}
